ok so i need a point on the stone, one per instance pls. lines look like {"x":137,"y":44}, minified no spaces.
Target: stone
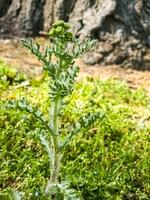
{"x":92,"y":58}
{"x":104,"y":47}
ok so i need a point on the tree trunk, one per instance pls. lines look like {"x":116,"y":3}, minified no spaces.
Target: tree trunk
{"x":121,"y":27}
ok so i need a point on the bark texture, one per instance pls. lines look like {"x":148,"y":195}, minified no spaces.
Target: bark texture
{"x":122,"y":27}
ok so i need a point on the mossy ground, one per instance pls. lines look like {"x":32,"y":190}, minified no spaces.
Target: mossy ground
{"x":110,"y":161}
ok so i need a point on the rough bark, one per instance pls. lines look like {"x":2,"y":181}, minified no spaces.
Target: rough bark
{"x":121,"y":27}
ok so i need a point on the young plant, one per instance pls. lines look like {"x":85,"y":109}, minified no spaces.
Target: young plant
{"x":58,"y":61}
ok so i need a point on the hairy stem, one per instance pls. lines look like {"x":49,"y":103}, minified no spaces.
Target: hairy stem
{"x":55,"y":167}
{"x":55,"y":142}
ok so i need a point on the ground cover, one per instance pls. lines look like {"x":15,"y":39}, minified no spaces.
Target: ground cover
{"x":109,"y":161}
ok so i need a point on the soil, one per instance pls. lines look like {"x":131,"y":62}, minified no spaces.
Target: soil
{"x":13,"y":53}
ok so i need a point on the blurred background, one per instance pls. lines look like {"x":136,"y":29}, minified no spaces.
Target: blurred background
{"x":121,"y":28}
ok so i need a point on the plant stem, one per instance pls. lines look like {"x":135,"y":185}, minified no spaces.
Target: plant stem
{"x":55,"y":167}
{"x":55,"y":143}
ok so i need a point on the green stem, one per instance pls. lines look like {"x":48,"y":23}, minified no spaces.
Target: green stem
{"x":55,"y":167}
{"x":55,"y":142}
{"x":56,"y":158}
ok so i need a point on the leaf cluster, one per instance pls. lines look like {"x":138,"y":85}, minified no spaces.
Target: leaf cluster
{"x":63,"y":49}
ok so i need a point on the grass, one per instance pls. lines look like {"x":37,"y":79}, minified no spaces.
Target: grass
{"x":110,"y":161}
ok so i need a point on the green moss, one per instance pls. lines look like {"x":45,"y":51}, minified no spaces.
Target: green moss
{"x":110,"y":161}
{"x":9,"y":76}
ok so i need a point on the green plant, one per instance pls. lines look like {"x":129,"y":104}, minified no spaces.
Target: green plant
{"x":108,"y":161}
{"x":9,"y":76}
{"x":62,"y":72}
